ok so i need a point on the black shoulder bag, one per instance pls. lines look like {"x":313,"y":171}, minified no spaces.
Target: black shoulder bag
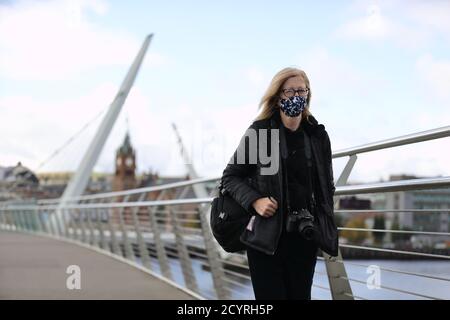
{"x":228,"y":221}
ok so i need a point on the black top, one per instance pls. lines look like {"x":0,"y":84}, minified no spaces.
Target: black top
{"x":298,"y":183}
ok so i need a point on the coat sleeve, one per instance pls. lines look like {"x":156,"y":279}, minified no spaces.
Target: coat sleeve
{"x":235,"y":174}
{"x":329,"y":163}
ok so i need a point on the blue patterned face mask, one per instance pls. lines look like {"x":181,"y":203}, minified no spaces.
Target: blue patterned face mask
{"x":293,"y":106}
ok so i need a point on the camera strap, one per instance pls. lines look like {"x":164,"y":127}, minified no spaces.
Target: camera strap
{"x":309,"y":162}
{"x":287,"y":186}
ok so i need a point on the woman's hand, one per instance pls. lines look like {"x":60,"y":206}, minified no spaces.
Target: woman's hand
{"x":265,"y":207}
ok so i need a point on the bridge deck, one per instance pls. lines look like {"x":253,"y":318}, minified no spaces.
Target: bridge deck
{"x":33,"y":267}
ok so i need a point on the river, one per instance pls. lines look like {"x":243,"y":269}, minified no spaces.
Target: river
{"x":421,"y":286}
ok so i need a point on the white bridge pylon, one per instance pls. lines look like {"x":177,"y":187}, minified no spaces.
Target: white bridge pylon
{"x":80,"y":179}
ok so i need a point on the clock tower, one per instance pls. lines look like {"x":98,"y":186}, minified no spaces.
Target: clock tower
{"x":124,"y":177}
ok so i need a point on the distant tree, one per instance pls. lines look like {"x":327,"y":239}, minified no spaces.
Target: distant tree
{"x":379,"y":223}
{"x":355,"y":236}
{"x":399,"y":237}
{"x":338,"y":219}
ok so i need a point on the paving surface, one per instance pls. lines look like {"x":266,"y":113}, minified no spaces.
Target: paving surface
{"x":33,"y":267}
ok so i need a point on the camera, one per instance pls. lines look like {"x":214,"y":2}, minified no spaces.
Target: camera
{"x":301,"y":221}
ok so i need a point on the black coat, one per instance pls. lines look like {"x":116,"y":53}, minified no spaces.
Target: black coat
{"x":245,"y":183}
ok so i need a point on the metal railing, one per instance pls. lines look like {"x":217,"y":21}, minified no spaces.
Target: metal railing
{"x":158,"y":228}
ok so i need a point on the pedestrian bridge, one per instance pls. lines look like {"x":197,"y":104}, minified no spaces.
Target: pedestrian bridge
{"x":156,"y":243}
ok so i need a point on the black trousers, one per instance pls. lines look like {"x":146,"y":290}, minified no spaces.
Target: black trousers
{"x":288,"y":274}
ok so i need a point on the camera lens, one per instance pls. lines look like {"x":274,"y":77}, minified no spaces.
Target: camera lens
{"x":308,"y":233}
{"x":306,"y":225}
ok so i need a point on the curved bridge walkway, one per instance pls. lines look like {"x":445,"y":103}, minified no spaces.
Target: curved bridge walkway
{"x":34,"y":267}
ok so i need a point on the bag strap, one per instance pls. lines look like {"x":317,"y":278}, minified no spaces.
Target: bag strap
{"x":221,"y":187}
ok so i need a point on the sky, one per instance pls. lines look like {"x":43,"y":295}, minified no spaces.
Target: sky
{"x":378,"y":70}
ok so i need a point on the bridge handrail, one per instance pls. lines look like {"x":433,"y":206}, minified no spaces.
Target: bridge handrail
{"x":91,"y":203}
{"x":422,"y":136}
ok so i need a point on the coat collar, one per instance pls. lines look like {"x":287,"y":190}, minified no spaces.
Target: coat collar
{"x":310,"y":125}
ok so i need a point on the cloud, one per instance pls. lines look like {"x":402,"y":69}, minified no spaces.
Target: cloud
{"x":433,"y":15}
{"x":57,"y":40}
{"x":33,"y":129}
{"x":373,"y":25}
{"x":60,"y":46}
{"x":341,"y":100}
{"x":209,"y":136}
{"x":327,"y":71}
{"x":412,"y":26}
{"x":435,"y":75}
{"x":53,"y":40}
{"x":256,"y":76}
{"x":36,"y":128}
{"x":339,"y":87}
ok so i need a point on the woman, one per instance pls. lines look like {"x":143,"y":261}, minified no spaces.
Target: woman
{"x":281,"y":259}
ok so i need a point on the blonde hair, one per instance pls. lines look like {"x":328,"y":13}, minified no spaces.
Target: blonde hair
{"x":270,"y":98}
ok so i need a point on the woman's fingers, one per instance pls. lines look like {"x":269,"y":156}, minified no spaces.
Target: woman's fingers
{"x":273,"y":200}
{"x":272,"y":205}
{"x":268,"y":207}
{"x":270,"y":211}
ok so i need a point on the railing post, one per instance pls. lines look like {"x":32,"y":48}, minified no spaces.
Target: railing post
{"x":12,"y":220}
{"x":145,"y":257}
{"x":213,"y":255}
{"x":128,"y":250}
{"x":65,"y":222}
{"x":36,"y":220}
{"x":17,"y":220}
{"x":23,"y":220}
{"x":50,"y":222}
{"x":185,"y":260}
{"x":2,"y":219}
{"x":58,"y":224}
{"x":21,"y":224}
{"x":337,"y":276}
{"x":102,"y":242}
{"x":82,"y":215}
{"x":159,"y":244}
{"x":32,"y":221}
{"x":42,"y":220}
{"x":113,"y":236}
{"x":93,"y":241}
{"x":5,"y":219}
{"x":8,"y":219}
{"x":73,"y":216}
